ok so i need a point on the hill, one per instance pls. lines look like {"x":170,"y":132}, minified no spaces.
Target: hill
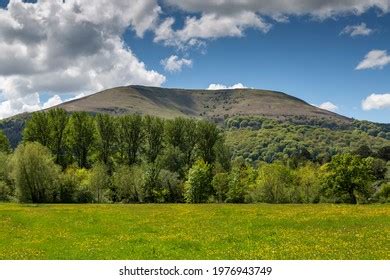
{"x":212,"y":104}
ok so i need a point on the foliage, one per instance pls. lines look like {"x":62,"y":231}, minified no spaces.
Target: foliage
{"x":34,"y":173}
{"x":220,"y":185}
{"x":106,"y":138}
{"x":4,"y":143}
{"x":198,"y":185}
{"x":99,"y":182}
{"x":128,"y":182}
{"x":348,"y":176}
{"x":81,"y":137}
{"x":154,"y":132}
{"x":131,"y":137}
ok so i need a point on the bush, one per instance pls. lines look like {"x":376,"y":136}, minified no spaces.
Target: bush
{"x":5,"y":191}
{"x":35,"y":174}
{"x":172,"y":186}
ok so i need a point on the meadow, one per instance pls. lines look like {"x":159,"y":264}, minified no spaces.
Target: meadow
{"x":187,"y":231}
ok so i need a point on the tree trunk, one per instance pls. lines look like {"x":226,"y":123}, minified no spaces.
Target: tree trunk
{"x":352,"y":197}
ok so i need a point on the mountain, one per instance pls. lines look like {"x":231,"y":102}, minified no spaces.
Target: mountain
{"x":212,"y":104}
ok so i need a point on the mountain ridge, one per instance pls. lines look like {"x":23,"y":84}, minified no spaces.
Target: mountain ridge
{"x":211,"y":104}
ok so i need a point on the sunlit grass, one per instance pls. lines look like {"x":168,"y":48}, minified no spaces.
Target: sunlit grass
{"x":154,"y":231}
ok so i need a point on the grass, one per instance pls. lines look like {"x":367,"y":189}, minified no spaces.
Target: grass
{"x":194,"y":231}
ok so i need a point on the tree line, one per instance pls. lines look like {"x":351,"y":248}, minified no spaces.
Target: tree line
{"x":81,"y":158}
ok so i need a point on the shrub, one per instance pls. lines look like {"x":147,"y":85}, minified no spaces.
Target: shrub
{"x":220,"y":185}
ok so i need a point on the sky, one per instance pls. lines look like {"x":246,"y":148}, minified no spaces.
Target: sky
{"x":333,"y":54}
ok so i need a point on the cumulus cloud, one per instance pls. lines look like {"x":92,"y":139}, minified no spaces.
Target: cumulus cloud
{"x":221,"y":86}
{"x":73,"y":47}
{"x":376,"y":101}
{"x":329,"y":106}
{"x":357,"y":30}
{"x":316,"y":8}
{"x":375,"y":59}
{"x":208,"y":26}
{"x":175,"y":64}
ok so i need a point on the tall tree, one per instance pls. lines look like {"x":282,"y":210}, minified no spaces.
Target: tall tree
{"x":81,"y":137}
{"x":58,"y":119}
{"x":208,"y":135}
{"x":154,"y":132}
{"x":38,"y":129}
{"x":131,"y":137}
{"x":106,"y":137}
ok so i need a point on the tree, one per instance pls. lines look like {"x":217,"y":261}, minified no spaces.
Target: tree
{"x":38,"y":129}
{"x":348,"y":175}
{"x":181,"y":137}
{"x":198,"y":185}
{"x":131,"y":137}
{"x":81,"y":137}
{"x":273,"y":183}
{"x":363,"y":151}
{"x":99,"y":182}
{"x":384,"y":153}
{"x":308,"y":180}
{"x":220,"y":185}
{"x":34,"y":173}
{"x":128,"y":182}
{"x":58,"y":119}
{"x":152,"y":188}
{"x":106,"y":137}
{"x":208,"y":135}
{"x":5,"y":146}
{"x":154,"y":132}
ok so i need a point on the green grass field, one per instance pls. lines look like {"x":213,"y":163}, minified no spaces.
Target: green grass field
{"x":194,"y":231}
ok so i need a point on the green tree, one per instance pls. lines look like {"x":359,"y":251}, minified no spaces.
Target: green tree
{"x":58,"y":119}
{"x":38,"y":129}
{"x":154,"y":133}
{"x":5,"y":146}
{"x":106,"y":138}
{"x":384,"y":153}
{"x":128,"y":182}
{"x":131,"y":137}
{"x":308,"y":180}
{"x":99,"y":182}
{"x":348,"y":175}
{"x":273,"y":183}
{"x":208,"y":135}
{"x":34,"y":173}
{"x":198,"y":185}
{"x":81,"y":137}
{"x":220,"y":185}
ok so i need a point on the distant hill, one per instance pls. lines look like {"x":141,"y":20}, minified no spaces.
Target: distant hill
{"x":212,"y":104}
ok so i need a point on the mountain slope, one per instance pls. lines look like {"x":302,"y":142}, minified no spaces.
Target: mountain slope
{"x":217,"y":105}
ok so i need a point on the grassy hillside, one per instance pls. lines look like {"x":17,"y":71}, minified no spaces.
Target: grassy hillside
{"x":217,"y":105}
{"x":194,"y":231}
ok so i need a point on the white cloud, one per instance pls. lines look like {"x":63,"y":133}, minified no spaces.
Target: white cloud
{"x":316,"y":8}
{"x":376,"y":101}
{"x":374,"y":59}
{"x":175,"y":64}
{"x":71,"y":48}
{"x":208,"y":26}
{"x":357,"y":30}
{"x":51,"y":102}
{"x":329,"y":106}
{"x":220,"y":86}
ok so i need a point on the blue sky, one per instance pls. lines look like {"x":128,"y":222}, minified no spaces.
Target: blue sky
{"x":306,"y":55}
